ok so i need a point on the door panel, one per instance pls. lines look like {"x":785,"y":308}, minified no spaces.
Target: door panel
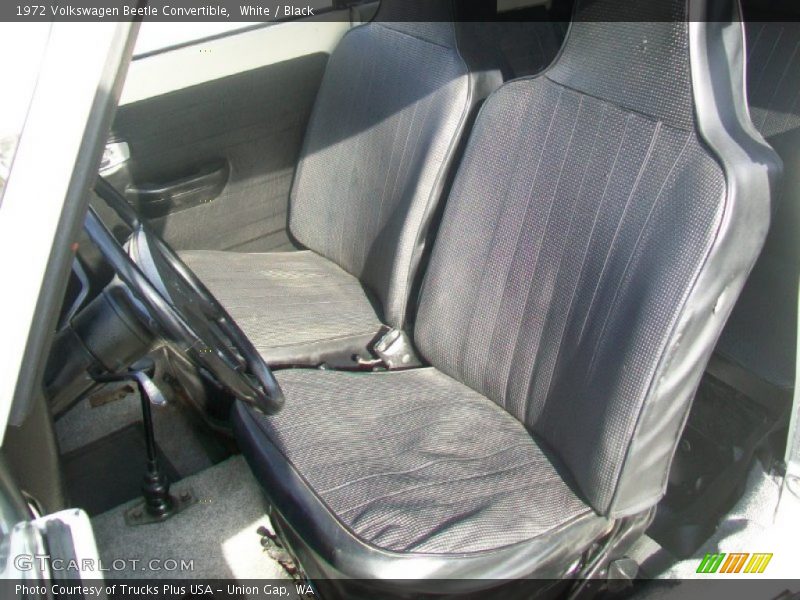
{"x":249,"y":124}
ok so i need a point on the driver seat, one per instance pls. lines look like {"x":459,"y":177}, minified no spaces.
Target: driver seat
{"x":600,"y":227}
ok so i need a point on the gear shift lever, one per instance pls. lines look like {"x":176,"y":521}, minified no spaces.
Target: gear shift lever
{"x":159,"y":504}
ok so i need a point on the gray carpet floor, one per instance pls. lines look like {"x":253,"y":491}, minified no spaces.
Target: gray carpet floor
{"x":218,"y":534}
{"x":763,"y":520}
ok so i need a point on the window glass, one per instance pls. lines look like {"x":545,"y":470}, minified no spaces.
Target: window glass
{"x":21,"y":48}
{"x":155,"y":36}
{"x":158,"y":36}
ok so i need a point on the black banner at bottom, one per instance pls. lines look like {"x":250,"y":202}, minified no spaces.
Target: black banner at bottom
{"x":709,"y":588}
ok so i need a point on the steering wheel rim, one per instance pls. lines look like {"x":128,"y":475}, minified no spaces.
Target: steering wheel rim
{"x":182,"y":308}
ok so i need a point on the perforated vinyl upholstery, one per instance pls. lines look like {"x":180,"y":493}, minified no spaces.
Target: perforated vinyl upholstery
{"x":589,"y":253}
{"x":285,"y":301}
{"x":574,"y":237}
{"x":416,"y":462}
{"x":761,"y":334}
{"x":374,"y":156}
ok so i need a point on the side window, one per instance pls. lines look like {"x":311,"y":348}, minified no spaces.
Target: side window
{"x":155,"y":37}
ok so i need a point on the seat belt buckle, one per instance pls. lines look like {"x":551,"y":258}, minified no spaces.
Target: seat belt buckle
{"x":395,"y":350}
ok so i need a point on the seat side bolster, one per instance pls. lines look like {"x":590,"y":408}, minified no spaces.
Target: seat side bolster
{"x":752,"y":171}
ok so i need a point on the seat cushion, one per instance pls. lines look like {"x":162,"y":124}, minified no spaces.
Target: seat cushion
{"x":294,"y":306}
{"x":413,"y":461}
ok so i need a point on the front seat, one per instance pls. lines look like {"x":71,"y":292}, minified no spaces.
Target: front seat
{"x":396,"y":96}
{"x":600,"y":227}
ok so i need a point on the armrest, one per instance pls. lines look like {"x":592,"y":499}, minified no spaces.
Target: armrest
{"x":155,"y":200}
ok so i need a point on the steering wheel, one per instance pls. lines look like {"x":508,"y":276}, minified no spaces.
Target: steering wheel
{"x":177,"y":306}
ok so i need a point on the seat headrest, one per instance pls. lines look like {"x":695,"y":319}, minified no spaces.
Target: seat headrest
{"x":634,"y":53}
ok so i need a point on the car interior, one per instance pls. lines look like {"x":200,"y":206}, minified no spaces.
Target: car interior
{"x":480,"y":291}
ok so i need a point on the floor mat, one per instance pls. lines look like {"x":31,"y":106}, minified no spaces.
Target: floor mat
{"x":710,"y":467}
{"x":108,"y":472}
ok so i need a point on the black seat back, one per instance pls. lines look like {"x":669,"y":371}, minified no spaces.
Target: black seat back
{"x":601,"y":225}
{"x":396,"y":96}
{"x":761,"y":335}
